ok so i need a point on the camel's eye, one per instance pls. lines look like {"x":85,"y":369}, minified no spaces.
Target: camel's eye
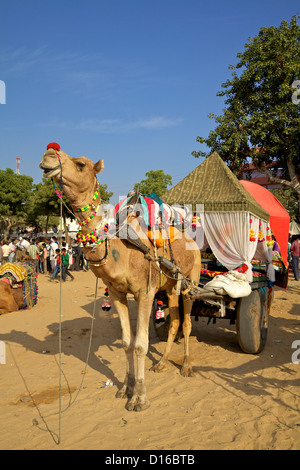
{"x":80,"y":165}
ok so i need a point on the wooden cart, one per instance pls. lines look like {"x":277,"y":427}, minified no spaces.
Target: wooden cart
{"x":250,"y":314}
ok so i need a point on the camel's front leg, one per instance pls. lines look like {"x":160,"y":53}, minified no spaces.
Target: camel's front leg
{"x":120,"y":303}
{"x":139,"y":401}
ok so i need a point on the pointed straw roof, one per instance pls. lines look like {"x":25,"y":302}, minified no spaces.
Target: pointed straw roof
{"x":214,"y":185}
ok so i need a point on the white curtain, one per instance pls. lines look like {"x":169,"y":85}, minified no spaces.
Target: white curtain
{"x":265,"y":252}
{"x":228,"y":235}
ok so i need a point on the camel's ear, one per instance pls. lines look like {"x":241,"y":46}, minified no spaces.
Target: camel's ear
{"x":98,"y":167}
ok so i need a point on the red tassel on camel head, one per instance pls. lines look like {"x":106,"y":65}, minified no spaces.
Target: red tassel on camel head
{"x":53,"y":146}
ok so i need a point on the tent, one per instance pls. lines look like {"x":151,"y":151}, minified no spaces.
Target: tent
{"x":279,"y":217}
{"x":214,"y":185}
{"x":231,"y":218}
{"x":294,"y":228}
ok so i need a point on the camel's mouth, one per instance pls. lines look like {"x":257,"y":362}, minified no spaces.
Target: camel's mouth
{"x":50,"y":172}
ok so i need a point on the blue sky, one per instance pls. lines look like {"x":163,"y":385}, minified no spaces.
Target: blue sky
{"x":129,"y":81}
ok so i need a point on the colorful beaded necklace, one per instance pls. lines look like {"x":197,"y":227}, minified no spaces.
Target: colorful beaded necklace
{"x":96,"y":237}
{"x":88,"y":219}
{"x":91,"y":205}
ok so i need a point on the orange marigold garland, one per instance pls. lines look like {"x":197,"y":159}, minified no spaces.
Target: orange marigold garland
{"x":261,"y":237}
{"x":252,"y":233}
{"x":269,"y":237}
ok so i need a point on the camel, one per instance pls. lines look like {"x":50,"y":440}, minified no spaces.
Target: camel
{"x":124,"y":269}
{"x":11,"y":299}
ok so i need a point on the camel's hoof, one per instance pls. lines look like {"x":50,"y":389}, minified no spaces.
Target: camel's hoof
{"x":187,"y":372}
{"x":160,"y":367}
{"x":142,"y":407}
{"x":135,"y":405}
{"x":125,"y":392}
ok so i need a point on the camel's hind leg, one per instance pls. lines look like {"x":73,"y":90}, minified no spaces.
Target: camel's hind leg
{"x":173,"y":302}
{"x":187,"y":369}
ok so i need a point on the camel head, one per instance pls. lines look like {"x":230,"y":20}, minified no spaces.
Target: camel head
{"x":78,"y":174}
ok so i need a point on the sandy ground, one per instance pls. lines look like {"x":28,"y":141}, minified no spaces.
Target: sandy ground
{"x":235,"y":401}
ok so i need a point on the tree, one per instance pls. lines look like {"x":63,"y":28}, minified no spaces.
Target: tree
{"x":157,"y":181}
{"x":43,"y":203}
{"x":14,"y":191}
{"x":105,"y":194}
{"x":261,"y":120}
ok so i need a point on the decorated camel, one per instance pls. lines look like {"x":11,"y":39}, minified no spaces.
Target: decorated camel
{"x":126,"y":269}
{"x":18,"y":285}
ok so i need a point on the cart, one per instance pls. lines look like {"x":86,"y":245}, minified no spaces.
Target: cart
{"x":250,"y":314}
{"x":234,"y":227}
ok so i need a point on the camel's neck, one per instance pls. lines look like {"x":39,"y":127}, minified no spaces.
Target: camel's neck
{"x":93,"y":229}
{"x":88,"y":209}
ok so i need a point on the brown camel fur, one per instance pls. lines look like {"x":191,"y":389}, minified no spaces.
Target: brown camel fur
{"x":11,"y":299}
{"x":126,"y":271}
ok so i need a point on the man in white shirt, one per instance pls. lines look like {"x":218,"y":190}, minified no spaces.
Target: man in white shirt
{"x":22,"y":247}
{"x":5,"y":252}
{"x":53,"y":248}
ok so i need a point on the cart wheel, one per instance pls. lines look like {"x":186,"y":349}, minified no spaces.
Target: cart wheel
{"x":252,"y":321}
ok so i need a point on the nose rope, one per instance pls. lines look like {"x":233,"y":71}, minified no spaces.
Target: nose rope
{"x":59,"y":193}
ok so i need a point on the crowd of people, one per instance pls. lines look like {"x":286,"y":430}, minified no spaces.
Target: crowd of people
{"x":295,"y":255}
{"x":48,"y":255}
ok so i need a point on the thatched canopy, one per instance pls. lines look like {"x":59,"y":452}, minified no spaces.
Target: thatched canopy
{"x":215,"y":186}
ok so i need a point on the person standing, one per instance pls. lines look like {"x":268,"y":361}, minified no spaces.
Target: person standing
{"x":43,"y":258}
{"x":53,"y":248}
{"x":34,"y":254}
{"x":5,"y":252}
{"x":76,"y":255}
{"x":295,"y":252}
{"x":22,"y":248}
{"x":12,"y":253}
{"x":65,"y":265}
{"x":57,"y":266}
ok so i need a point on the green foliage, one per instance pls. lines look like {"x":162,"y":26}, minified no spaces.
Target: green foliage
{"x":105,"y":194}
{"x":42,"y":202}
{"x":14,"y":191}
{"x":289,"y":200}
{"x":35,"y":205}
{"x":260,"y":119}
{"x":157,"y":181}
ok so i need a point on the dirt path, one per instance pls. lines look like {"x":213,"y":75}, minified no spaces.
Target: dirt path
{"x":235,"y":401}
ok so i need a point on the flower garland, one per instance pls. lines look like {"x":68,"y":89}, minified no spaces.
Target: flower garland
{"x":252,"y":234}
{"x":269,"y":237}
{"x":261,"y":237}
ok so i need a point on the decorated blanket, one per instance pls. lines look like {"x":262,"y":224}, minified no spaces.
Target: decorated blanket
{"x":152,"y":210}
{"x":162,"y":221}
{"x":21,"y":275}
{"x":16,"y":272}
